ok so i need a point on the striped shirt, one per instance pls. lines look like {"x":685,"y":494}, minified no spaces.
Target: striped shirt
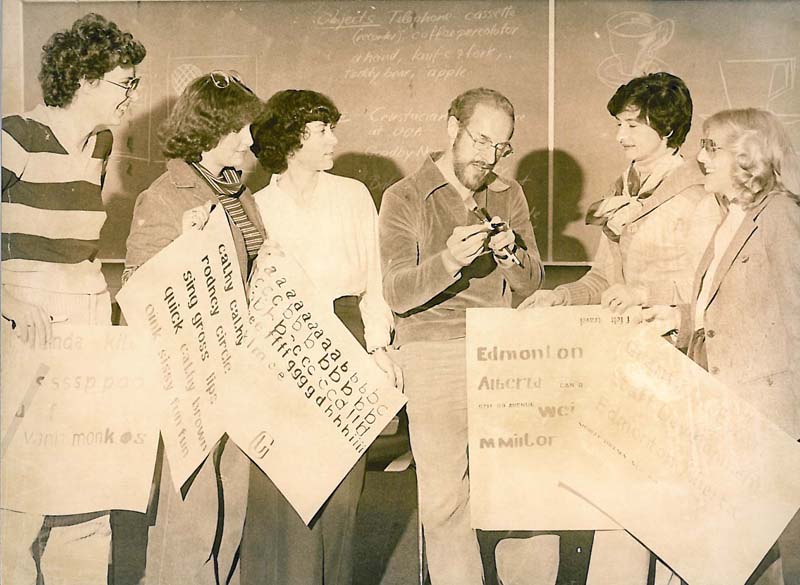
{"x":52,"y":209}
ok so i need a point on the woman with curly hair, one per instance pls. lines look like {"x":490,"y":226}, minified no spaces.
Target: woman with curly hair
{"x":742,"y":321}
{"x":54,"y":162}
{"x":329,"y":225}
{"x":207,"y":135}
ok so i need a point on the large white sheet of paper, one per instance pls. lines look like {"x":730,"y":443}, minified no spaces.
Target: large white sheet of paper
{"x":191,"y":300}
{"x":310,"y":400}
{"x":79,"y":431}
{"x":528,"y":374}
{"x":691,"y":470}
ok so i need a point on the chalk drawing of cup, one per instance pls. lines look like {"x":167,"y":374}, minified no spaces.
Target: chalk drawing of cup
{"x":635,"y":37}
{"x":756,"y":82}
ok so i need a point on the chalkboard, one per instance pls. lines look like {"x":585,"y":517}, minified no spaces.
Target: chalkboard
{"x":393,"y":67}
{"x":730,"y":54}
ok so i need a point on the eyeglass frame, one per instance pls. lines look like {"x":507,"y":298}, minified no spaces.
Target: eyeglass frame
{"x":129,"y":87}
{"x":484,"y":143}
{"x":710,"y":146}
{"x":227,"y":77}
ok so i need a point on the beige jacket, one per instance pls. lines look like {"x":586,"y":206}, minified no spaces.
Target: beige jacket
{"x":752,"y":320}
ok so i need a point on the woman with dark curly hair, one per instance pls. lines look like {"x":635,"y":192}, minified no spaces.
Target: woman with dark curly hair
{"x":329,"y":225}
{"x":54,"y":162}
{"x":206,"y":137}
{"x":656,"y":221}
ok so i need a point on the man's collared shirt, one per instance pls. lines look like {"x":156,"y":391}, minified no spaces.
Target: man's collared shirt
{"x":417,"y":216}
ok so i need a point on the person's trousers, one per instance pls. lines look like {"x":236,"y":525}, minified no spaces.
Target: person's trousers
{"x":279,"y":549}
{"x":618,"y":558}
{"x":65,"y":549}
{"x":77,"y":548}
{"x":196,"y":539}
{"x":435,"y":385}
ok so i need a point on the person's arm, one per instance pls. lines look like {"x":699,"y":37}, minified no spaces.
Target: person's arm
{"x":780,"y":222}
{"x":375,"y":312}
{"x":154,"y":226}
{"x":15,"y":158}
{"x":527,"y":276}
{"x":589,"y":289}
{"x":408,"y":281}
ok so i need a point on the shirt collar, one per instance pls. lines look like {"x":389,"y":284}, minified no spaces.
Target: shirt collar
{"x":430,"y":178}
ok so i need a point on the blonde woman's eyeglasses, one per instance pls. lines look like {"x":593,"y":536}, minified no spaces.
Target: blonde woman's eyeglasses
{"x":709,"y":146}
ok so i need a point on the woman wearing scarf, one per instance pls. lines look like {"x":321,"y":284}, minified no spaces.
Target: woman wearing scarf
{"x":196,"y":539}
{"x":656,"y":222}
{"x":329,"y":225}
{"x":657,"y":218}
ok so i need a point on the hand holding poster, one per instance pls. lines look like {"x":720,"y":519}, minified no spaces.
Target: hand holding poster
{"x":309,"y":400}
{"x":528,"y":374}
{"x":691,"y":470}
{"x":191,"y":299}
{"x":78,"y":427}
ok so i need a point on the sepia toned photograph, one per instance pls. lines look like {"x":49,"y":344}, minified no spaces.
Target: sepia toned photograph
{"x":401,"y":292}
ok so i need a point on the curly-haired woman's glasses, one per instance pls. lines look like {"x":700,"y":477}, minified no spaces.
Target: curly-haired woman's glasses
{"x":222,"y":79}
{"x":129,"y":87}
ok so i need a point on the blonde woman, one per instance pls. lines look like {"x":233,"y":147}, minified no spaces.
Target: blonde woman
{"x":742,"y":324}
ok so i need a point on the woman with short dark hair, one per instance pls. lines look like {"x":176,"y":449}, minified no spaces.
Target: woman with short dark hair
{"x":656,"y":219}
{"x":656,"y":222}
{"x":329,"y":225}
{"x":206,"y":137}
{"x":54,"y":163}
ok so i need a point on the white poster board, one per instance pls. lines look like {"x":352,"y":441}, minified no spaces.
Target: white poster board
{"x":528,"y":374}
{"x":310,"y":400}
{"x":691,"y":470}
{"x":191,"y":300}
{"x":79,"y":421}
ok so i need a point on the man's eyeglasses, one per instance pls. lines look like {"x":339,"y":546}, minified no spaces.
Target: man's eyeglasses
{"x":709,"y":146}
{"x":501,"y":149}
{"x":129,"y":87}
{"x":222,"y":79}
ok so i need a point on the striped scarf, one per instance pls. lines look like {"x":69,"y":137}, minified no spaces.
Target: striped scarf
{"x":228,"y":187}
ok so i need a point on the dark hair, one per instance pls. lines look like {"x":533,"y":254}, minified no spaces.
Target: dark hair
{"x":205,"y":113}
{"x":663,"y":101}
{"x":463,"y":106}
{"x":279,"y":132}
{"x":92,"y":47}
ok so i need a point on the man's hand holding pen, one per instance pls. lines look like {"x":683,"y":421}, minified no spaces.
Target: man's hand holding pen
{"x":470,"y":241}
{"x":464,"y":245}
{"x":502,"y":240}
{"x":502,"y":243}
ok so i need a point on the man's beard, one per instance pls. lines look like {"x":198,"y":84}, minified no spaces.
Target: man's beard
{"x":472,"y":174}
